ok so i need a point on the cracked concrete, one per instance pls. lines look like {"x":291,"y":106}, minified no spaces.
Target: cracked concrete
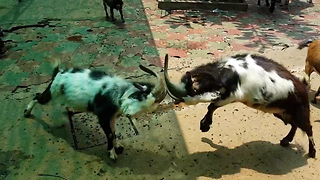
{"x":242,"y":143}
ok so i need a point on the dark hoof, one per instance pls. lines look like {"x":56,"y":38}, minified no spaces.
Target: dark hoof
{"x":26,"y":114}
{"x":176,"y":102}
{"x":312,"y":153}
{"x":271,"y":10}
{"x":284,"y":143}
{"x":314,"y":101}
{"x":284,"y":7}
{"x":204,"y":127}
{"x":123,"y":21}
{"x":119,"y":149}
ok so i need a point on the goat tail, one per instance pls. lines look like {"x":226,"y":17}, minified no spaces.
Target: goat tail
{"x":56,"y":67}
{"x":305,"y":43}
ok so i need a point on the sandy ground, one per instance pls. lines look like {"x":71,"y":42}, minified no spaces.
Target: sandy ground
{"x":242,"y":143}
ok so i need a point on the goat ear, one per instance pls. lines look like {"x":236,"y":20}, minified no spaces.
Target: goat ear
{"x":140,"y":87}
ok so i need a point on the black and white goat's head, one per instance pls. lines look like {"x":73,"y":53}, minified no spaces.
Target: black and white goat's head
{"x":253,"y":80}
{"x":194,"y":83}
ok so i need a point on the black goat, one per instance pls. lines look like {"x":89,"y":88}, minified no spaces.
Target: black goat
{"x":253,"y":80}
{"x":272,"y":7}
{"x":113,"y":4}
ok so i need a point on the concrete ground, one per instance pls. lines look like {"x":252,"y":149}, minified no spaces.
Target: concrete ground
{"x":168,"y":144}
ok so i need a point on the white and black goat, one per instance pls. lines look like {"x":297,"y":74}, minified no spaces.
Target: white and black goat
{"x":105,"y":95}
{"x":253,"y":80}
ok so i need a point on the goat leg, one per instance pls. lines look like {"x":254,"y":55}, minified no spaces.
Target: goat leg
{"x":267,"y":3}
{"x":301,"y":119}
{"x":41,"y":98}
{"x":112,"y":14}
{"x":314,"y":101}
{"x":286,"y":140}
{"x":106,"y":120}
{"x":272,"y":7}
{"x":121,"y":14}
{"x":207,"y":119}
{"x":105,"y":9}
{"x":285,"y":6}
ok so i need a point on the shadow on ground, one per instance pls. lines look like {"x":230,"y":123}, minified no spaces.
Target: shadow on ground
{"x":261,"y":156}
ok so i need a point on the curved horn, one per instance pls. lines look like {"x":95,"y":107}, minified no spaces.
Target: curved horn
{"x":174,"y":91}
{"x":159,"y":91}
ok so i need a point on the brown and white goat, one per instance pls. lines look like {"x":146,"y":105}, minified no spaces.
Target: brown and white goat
{"x":312,"y":62}
{"x":253,"y":80}
{"x":105,"y":95}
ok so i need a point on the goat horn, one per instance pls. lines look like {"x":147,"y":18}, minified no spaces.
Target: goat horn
{"x":174,"y":91}
{"x":159,"y":91}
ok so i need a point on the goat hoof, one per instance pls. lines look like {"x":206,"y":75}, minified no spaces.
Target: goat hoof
{"x":312,"y":153}
{"x":284,"y":143}
{"x":26,"y":113}
{"x":284,"y":7}
{"x":314,"y":101}
{"x":123,"y":21}
{"x":271,"y":9}
{"x":119,"y":149}
{"x":204,"y":127}
{"x":112,"y":155}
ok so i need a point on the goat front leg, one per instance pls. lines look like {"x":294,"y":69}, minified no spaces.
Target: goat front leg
{"x":106,"y":120}
{"x":121,"y":14}
{"x":112,"y":14}
{"x":285,"y":6}
{"x":207,"y":119}
{"x":267,"y":3}
{"x":105,"y":9}
{"x":272,"y":6}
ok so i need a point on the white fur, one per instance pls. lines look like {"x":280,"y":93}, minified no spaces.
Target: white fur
{"x":252,"y":78}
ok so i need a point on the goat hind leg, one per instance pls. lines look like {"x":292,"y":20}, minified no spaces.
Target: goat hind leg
{"x":286,"y":140}
{"x":308,"y":129}
{"x":42,"y":98}
{"x":105,"y":9}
